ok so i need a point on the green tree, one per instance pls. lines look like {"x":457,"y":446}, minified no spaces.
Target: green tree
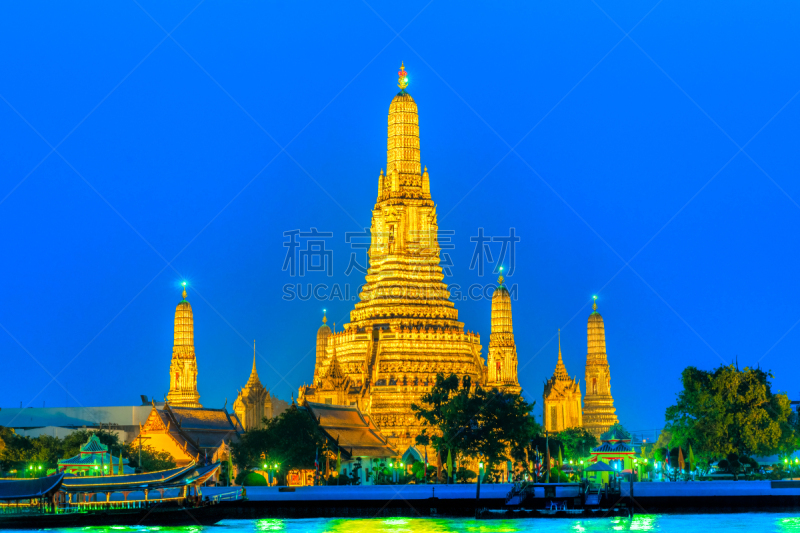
{"x":728,"y":410}
{"x":578,"y":442}
{"x":489,"y":425}
{"x":153,"y":460}
{"x":291,"y":440}
{"x":71,"y":444}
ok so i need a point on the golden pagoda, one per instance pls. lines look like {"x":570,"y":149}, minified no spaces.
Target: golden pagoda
{"x":598,"y":411}
{"x":562,"y":399}
{"x":405,"y":329}
{"x":183,"y":369}
{"x":502,"y":363}
{"x":253,"y":403}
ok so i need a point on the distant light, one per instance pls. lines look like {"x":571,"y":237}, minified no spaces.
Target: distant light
{"x":276,"y":465}
{"x":480,"y":465}
{"x":265,"y":467}
{"x":405,"y":79}
{"x":184,"y":283}
{"x":595,"y":297}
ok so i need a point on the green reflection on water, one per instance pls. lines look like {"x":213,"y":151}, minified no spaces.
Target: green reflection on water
{"x":789,"y":524}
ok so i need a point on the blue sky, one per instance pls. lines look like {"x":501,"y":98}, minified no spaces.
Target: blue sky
{"x":658,"y":170}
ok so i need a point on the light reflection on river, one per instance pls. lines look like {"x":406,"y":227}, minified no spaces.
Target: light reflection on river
{"x":749,"y":522}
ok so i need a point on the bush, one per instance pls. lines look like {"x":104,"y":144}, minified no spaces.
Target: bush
{"x":253,"y":479}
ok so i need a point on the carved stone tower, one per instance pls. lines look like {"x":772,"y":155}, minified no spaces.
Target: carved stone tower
{"x":502,"y":362}
{"x":183,"y":369}
{"x":562,"y":398}
{"x":598,"y":412}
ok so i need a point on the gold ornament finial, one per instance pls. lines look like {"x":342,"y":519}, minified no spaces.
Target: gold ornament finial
{"x":184,"y":290}
{"x":324,"y":316}
{"x":501,"y":278}
{"x":402,"y":80}
{"x":594,"y":305}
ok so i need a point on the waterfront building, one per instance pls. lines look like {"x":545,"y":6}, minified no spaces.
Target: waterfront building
{"x":405,"y":329}
{"x":598,"y":411}
{"x":562,"y":399}
{"x":183,"y":369}
{"x":616,"y":451}
{"x":253,"y":403}
{"x":94,"y":459}
{"x":191,"y":433}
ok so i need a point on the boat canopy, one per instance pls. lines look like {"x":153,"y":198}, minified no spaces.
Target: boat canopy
{"x":152,"y":480}
{"x":25,"y":489}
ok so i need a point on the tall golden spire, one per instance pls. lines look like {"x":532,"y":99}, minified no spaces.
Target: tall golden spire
{"x":502,"y":361}
{"x":183,"y":368}
{"x":323,"y":333}
{"x":599,"y":413}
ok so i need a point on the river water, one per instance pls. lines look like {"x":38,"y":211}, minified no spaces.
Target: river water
{"x":749,"y":522}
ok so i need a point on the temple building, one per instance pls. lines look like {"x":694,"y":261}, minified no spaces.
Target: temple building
{"x":94,"y":459}
{"x":405,"y":329}
{"x":183,"y":369}
{"x":190,"y":433}
{"x":253,"y":403}
{"x":562,"y":399}
{"x":598,"y":411}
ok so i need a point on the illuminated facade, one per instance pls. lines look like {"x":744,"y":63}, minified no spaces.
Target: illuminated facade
{"x":183,"y":369}
{"x":405,"y":329}
{"x":562,"y":399}
{"x":253,"y":402}
{"x":598,"y":412}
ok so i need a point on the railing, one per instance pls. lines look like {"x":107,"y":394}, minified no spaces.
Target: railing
{"x":232,"y":495}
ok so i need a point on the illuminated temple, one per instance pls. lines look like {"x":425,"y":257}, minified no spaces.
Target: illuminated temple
{"x":562,"y":399}
{"x":598,"y":411}
{"x":405,"y":329}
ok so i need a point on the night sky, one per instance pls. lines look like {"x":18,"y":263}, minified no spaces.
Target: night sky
{"x":658,"y":171}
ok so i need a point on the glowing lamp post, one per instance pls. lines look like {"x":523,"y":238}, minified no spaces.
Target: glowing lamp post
{"x":478,"y":490}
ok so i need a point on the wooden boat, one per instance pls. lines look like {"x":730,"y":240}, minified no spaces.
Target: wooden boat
{"x":68,"y":501}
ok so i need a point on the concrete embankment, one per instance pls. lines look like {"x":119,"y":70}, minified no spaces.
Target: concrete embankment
{"x":714,"y":496}
{"x":367,"y":501}
{"x":459,"y":500}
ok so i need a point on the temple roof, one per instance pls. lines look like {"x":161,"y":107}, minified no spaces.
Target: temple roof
{"x":199,"y":429}
{"x":357,"y":435}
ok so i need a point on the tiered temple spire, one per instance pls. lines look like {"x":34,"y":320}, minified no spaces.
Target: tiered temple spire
{"x":502,"y":362}
{"x":599,"y":413}
{"x":405,"y":328}
{"x":183,"y":368}
{"x":562,"y":398}
{"x":253,"y":402}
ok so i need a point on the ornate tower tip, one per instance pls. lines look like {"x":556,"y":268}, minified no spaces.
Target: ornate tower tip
{"x":594,"y":304}
{"x":402,"y":80}
{"x":324,"y":316}
{"x":184,"y":290}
